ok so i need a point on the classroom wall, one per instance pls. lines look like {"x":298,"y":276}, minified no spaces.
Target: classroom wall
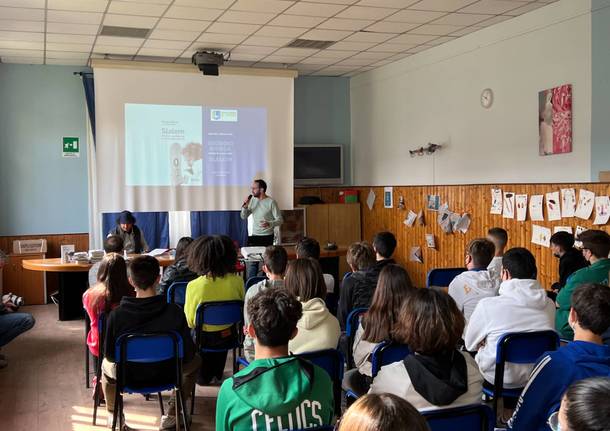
{"x":40,"y":191}
{"x":434,"y":96}
{"x":600,"y":77}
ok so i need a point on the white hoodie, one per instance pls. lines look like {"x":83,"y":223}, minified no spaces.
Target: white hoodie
{"x":495,"y":268}
{"x":317,"y":329}
{"x":468,"y":288}
{"x":522,"y":306}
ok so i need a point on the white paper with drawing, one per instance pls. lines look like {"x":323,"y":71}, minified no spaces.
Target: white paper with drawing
{"x":536,"y":211}
{"x":553,"y":209}
{"x":568,"y":202}
{"x":463,"y":223}
{"x":586,"y":202}
{"x":541,"y":235}
{"x":508,"y":209}
{"x":430,"y":242}
{"x":411,"y":217}
{"x":602,"y":210}
{"x":521,"y":203}
{"x":567,"y":229}
{"x":496,"y":201}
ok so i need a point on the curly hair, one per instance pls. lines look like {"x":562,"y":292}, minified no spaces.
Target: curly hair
{"x":214,"y":256}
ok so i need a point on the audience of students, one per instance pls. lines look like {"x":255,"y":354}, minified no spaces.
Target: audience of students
{"x":521,"y":306}
{"x":147,"y":313}
{"x":132,"y":236}
{"x":584,"y":407}
{"x":595,"y":249}
{"x":275,"y":260}
{"x":382,"y":412}
{"x":393,"y":289}
{"x":179,"y":270}
{"x":360,"y":257}
{"x":468,"y":288}
{"x":112,"y":244}
{"x":275,"y":390}
{"x":584,"y":357}
{"x":436,"y":374}
{"x":499,"y":237}
{"x":570,"y":258}
{"x":213,"y":258}
{"x":310,"y":248}
{"x":318,"y":328}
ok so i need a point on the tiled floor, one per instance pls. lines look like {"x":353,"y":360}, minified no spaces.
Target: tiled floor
{"x":43,"y":388}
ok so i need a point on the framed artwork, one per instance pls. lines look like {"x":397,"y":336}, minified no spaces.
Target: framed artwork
{"x":555,"y":120}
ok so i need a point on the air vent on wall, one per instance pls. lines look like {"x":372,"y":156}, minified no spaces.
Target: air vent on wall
{"x":313,"y":44}
{"x":110,"y":30}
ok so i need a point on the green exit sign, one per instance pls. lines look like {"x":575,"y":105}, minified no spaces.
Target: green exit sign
{"x":70,"y":147}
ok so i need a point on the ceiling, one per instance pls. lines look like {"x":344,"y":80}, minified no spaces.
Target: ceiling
{"x":367,"y":33}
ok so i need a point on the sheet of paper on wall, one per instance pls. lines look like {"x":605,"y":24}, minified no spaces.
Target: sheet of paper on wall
{"x":496,"y":201}
{"x":553,"y":208}
{"x":421,"y":221}
{"x":411,"y":217}
{"x":568,"y":202}
{"x":521,"y":204}
{"x":508,"y":206}
{"x":388,"y":198}
{"x":416,"y":255}
{"x":541,"y":235}
{"x":444,"y":218}
{"x":463,"y":223}
{"x":567,"y":229}
{"x":430,"y":242}
{"x":579,"y":230}
{"x":602,"y":209}
{"x":586,"y":202}
{"x":536,"y":211}
{"x":370,"y":199}
{"x":454,"y":218}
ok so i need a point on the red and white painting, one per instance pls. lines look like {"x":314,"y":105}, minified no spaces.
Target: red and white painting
{"x":555,"y":120}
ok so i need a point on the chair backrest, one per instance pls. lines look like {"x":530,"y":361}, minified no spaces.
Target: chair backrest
{"x":253,"y":280}
{"x":331,"y":361}
{"x":351,"y":325}
{"x":442,"y":277}
{"x":386,"y":353}
{"x":219,"y":313}
{"x":101,"y":334}
{"x":347,"y":275}
{"x":176,"y":294}
{"x":476,"y":417}
{"x":525,"y":347}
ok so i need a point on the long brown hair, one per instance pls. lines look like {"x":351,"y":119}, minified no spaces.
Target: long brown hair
{"x":304,"y":279}
{"x":112,"y":283}
{"x":393,"y":287}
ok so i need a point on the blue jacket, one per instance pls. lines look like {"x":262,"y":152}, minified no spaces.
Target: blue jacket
{"x":550,"y":378}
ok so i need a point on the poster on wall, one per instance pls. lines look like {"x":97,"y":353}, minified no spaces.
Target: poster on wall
{"x":496,"y":201}
{"x":568,"y":202}
{"x":536,"y":211}
{"x":602,"y":210}
{"x":553,"y":209}
{"x":521,"y":202}
{"x":388,"y":198}
{"x":586,"y":202}
{"x":555,"y":120}
{"x":508,"y":208}
{"x":541,"y":235}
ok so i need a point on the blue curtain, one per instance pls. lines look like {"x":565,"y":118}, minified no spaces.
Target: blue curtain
{"x":90,"y":98}
{"x":154,"y":227}
{"x":219,"y":223}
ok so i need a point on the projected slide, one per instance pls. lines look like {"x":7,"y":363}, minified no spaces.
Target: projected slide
{"x":171,"y":145}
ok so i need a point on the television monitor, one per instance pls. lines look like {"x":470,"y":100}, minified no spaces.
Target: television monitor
{"x":318,"y":165}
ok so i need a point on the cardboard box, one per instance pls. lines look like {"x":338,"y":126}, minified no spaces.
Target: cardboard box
{"x":27,"y":246}
{"x":348,"y":196}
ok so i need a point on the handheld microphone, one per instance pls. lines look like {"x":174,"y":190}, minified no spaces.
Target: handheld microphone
{"x":247,"y":201}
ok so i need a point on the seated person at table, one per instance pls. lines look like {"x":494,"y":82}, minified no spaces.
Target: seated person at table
{"x":318,"y":329}
{"x":310,"y":248}
{"x":468,"y":288}
{"x":275,"y":391}
{"x":436,"y":374}
{"x":179,"y":270}
{"x":275,"y":260}
{"x":595,"y":249}
{"x":147,"y":313}
{"x":214,"y":259}
{"x":585,"y":406}
{"x":360,"y":256}
{"x":393,"y":288}
{"x":499,"y":237}
{"x":521,"y":306}
{"x":584,"y":357}
{"x":112,"y":244}
{"x":132,"y":236}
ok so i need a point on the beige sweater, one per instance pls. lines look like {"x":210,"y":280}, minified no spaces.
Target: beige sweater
{"x":317,"y":329}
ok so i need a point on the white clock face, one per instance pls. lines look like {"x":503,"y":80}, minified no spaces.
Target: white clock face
{"x":487,"y":98}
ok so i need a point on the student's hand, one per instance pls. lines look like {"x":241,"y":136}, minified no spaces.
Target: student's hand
{"x":264,"y":224}
{"x":9,"y":307}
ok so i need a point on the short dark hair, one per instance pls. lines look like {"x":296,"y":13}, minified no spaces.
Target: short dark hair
{"x":261,"y":184}
{"x":430,"y":322}
{"x":360,"y":255}
{"x":143,"y":271}
{"x":520,"y":263}
{"x":596,"y":241}
{"x":482,"y":252}
{"x":588,"y":404}
{"x":564,"y":240}
{"x":215,"y":256}
{"x":499,"y":236}
{"x":384,"y":243}
{"x":182,"y":247}
{"x":113,"y":244}
{"x":304,"y":279}
{"x":308,"y":247}
{"x":591,"y":302}
{"x":274,"y":314}
{"x":275,"y":259}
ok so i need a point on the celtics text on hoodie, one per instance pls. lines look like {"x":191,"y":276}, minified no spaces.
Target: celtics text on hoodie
{"x":275,"y":394}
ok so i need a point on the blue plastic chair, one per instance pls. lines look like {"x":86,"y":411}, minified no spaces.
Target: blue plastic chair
{"x":97,"y":390}
{"x":176,"y":294}
{"x":386,"y":353}
{"x":474,"y":417}
{"x":253,"y":280}
{"x":351,"y":326}
{"x":442,"y":277}
{"x":331,"y":361}
{"x":518,"y":348}
{"x":148,"y":349}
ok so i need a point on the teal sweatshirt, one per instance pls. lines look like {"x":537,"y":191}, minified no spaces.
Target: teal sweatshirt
{"x":275,"y":394}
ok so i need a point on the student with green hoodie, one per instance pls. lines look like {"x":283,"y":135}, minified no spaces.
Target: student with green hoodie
{"x":595,"y":248}
{"x":276,"y":391}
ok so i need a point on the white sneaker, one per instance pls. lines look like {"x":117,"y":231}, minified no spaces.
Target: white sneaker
{"x":169,"y":422}
{"x":121,"y":425}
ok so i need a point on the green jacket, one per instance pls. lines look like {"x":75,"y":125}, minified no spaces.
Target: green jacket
{"x":596,"y":273}
{"x":275,"y":394}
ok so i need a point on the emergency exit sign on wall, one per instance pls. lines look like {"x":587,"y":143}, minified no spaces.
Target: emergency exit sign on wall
{"x":71,"y":147}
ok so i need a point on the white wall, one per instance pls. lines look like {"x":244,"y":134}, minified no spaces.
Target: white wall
{"x":434,"y":96}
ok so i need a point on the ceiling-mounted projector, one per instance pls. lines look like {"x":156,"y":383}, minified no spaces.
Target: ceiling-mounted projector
{"x":208,"y":62}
